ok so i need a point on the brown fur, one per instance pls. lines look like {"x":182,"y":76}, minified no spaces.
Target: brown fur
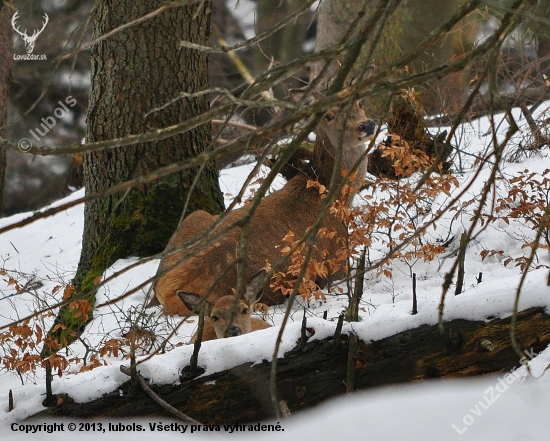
{"x":293,"y":208}
{"x":209,"y":332}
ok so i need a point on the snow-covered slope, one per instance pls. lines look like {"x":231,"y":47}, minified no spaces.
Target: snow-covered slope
{"x":43,"y":256}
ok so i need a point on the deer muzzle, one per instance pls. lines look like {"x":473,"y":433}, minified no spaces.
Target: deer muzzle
{"x":234,"y":331}
{"x":368,"y":128}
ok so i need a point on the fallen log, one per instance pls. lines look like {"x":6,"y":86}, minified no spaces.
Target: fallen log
{"x":317,"y":370}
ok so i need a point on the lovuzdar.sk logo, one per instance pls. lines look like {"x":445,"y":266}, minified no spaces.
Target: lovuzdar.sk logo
{"x":29,"y":40}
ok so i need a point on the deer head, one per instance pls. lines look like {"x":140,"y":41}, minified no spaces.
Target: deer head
{"x":218,"y":314}
{"x":348,"y":129}
{"x":29,"y":40}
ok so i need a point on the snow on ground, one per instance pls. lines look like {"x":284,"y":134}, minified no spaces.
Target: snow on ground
{"x":504,"y":407}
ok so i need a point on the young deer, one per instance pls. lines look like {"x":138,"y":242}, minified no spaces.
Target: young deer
{"x":295,"y":208}
{"x":218,"y":313}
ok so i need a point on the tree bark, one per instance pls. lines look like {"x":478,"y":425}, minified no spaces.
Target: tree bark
{"x":404,"y":30}
{"x":281,"y":47}
{"x":6,"y":60}
{"x":542,"y":33}
{"x":285,"y":45}
{"x":420,"y":19}
{"x":134,"y":72}
{"x":335,"y":19}
{"x":316,"y":371}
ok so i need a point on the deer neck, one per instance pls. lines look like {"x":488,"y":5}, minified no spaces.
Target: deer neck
{"x":321,"y":165}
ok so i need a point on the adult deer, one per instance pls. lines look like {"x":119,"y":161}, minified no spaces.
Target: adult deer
{"x":218,"y":314}
{"x":295,"y":207}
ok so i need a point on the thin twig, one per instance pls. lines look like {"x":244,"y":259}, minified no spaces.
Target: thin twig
{"x":157,"y":399}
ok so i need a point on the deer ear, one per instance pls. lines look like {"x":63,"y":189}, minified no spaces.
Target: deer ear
{"x":255,"y":287}
{"x":194,"y":302}
{"x":369,"y":71}
{"x":297,"y":95}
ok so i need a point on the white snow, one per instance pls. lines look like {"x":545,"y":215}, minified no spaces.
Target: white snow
{"x":500,"y":407}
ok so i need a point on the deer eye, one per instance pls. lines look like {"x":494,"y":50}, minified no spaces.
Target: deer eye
{"x":360,"y":104}
{"x":214,"y":318}
{"x":329,"y":117}
{"x":244,"y":311}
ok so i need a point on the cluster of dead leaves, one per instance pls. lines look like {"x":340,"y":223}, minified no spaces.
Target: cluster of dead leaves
{"x":527,"y":200}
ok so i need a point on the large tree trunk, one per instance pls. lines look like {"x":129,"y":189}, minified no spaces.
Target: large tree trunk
{"x":284,"y":45}
{"x":6,"y":60}
{"x":542,"y":32}
{"x":281,"y":47}
{"x":316,"y":371}
{"x":404,"y":30}
{"x":335,"y":19}
{"x":420,"y":19}
{"x":133,"y":72}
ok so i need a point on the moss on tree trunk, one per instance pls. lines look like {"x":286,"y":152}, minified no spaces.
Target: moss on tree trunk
{"x":134,"y":71}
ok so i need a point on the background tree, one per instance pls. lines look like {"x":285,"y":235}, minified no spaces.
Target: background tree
{"x":286,"y":44}
{"x":408,"y":23}
{"x":542,"y":32}
{"x":135,"y":71}
{"x":420,"y":18}
{"x":336,"y":16}
{"x":5,"y":68}
{"x":382,"y":45}
{"x":280,"y":47}
{"x":35,"y":89}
